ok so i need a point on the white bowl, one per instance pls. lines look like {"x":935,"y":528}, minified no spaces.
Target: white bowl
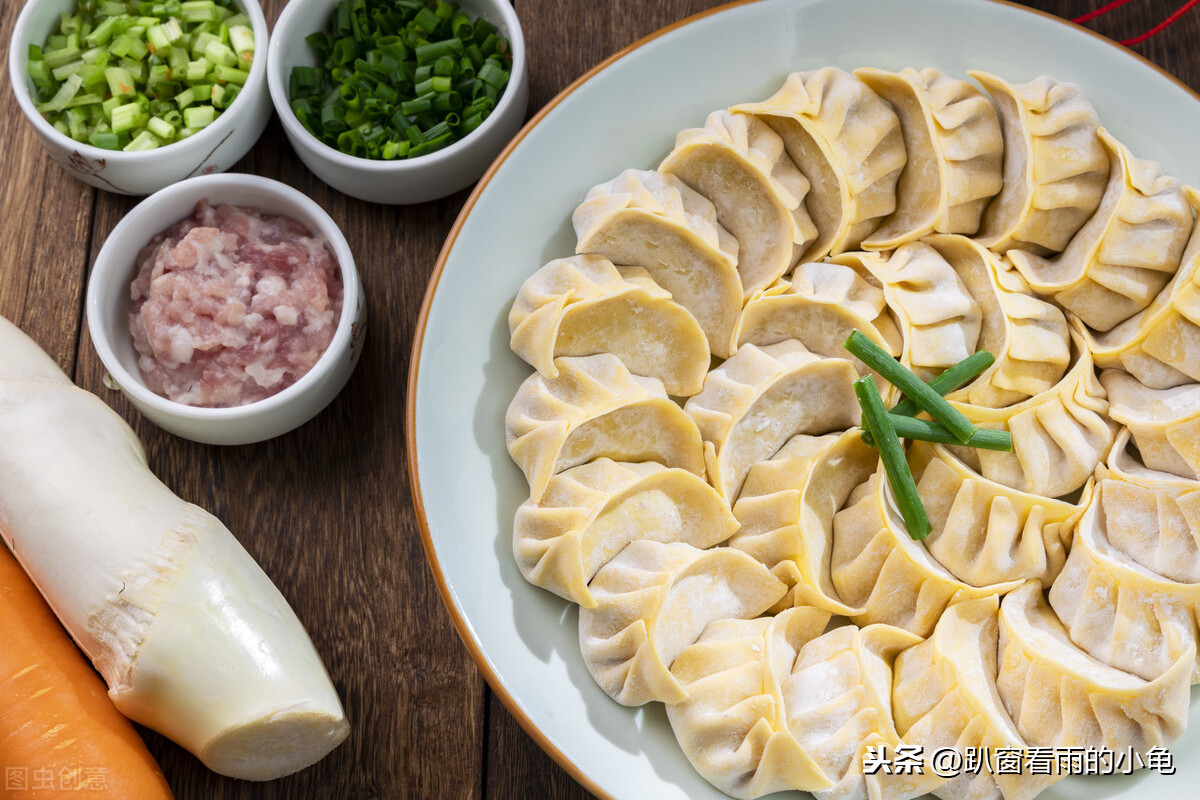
{"x":214,"y":149}
{"x":417,"y":180}
{"x":108,"y":311}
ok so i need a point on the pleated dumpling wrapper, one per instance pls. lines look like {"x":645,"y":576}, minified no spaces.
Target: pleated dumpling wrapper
{"x":655,"y":599}
{"x":939,"y":319}
{"x":733,"y":725}
{"x":839,"y":704}
{"x":1125,"y":254}
{"x":786,"y":510}
{"x":1164,"y":423}
{"x":1028,"y":336}
{"x":739,"y":163}
{"x":583,"y":305}
{"x":1119,"y":611}
{"x":657,"y":222}
{"x":847,"y":141}
{"x":1160,"y":345}
{"x":945,"y":696}
{"x":1055,"y":168}
{"x":1058,"y":436}
{"x":1151,"y":516}
{"x":1059,"y":696}
{"x":877,"y":567}
{"x":819,"y":305}
{"x":596,"y":408}
{"x":955,"y":154}
{"x":985,"y":532}
{"x":761,"y":397}
{"x":590,"y":512}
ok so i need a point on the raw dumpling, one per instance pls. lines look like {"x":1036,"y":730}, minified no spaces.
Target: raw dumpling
{"x":1055,"y":168}
{"x":1151,"y":516}
{"x":1060,"y":697}
{"x":1164,"y":423}
{"x":1127,"y":251}
{"x":583,"y":305}
{"x":596,"y":408}
{"x":739,"y":163}
{"x":985,"y":532}
{"x":733,"y":726}
{"x":847,"y":140}
{"x":1028,"y":336}
{"x":1059,"y":436}
{"x":644,"y":219}
{"x":786,"y":512}
{"x":590,"y":512}
{"x":939,"y":319}
{"x":839,"y":703}
{"x":878,"y":567}
{"x":1160,"y":345}
{"x":761,"y":397}
{"x":955,"y":154}
{"x":945,"y":696}
{"x":1117,"y":610}
{"x":655,"y":599}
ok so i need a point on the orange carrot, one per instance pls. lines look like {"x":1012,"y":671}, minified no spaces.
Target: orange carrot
{"x":60,"y":735}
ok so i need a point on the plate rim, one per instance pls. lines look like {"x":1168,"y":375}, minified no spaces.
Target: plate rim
{"x":461,"y":624}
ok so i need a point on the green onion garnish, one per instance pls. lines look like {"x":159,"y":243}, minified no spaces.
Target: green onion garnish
{"x":399,"y":78}
{"x":925,"y":430}
{"x":117,"y":72}
{"x":876,"y":421}
{"x":956,"y":376}
{"x":916,"y":389}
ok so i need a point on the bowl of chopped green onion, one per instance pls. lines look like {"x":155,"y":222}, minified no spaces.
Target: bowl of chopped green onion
{"x":398,"y":101}
{"x":131,"y":96}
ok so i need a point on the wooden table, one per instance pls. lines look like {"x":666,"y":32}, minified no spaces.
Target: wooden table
{"x":326,"y":509}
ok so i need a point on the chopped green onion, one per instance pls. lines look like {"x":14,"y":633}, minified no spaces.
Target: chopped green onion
{"x":953,"y":378}
{"x":878,"y":423}
{"x":925,"y":430}
{"x":926,"y":398}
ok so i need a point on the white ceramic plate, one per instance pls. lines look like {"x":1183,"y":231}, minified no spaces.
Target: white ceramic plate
{"x":625,"y":115}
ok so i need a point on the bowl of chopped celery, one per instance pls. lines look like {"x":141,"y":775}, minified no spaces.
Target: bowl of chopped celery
{"x":133,"y":95}
{"x":398,"y":101}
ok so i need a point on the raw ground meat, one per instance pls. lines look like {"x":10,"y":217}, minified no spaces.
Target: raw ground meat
{"x":231,"y":306}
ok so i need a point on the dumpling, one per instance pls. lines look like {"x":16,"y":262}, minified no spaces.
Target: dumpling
{"x":1164,"y":423}
{"x":985,"y":532}
{"x":739,"y":163}
{"x":590,"y":512}
{"x":819,"y":305}
{"x":1060,"y":697}
{"x":1160,"y":345}
{"x":839,"y":703}
{"x":939,"y":319}
{"x":1125,"y":254}
{"x":761,"y":397}
{"x":1059,"y":436}
{"x":1055,"y":168}
{"x":847,"y":141}
{"x":955,"y":154}
{"x":1029,"y":337}
{"x":583,"y":305}
{"x":876,"y":566}
{"x":945,"y":696}
{"x":1117,"y":610}
{"x":786,"y":512}
{"x":733,"y":726}
{"x":596,"y":408}
{"x":1151,"y":516}
{"x":655,"y":599}
{"x":644,"y":219}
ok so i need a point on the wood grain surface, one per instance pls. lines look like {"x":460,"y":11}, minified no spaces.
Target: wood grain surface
{"x":326,"y":509}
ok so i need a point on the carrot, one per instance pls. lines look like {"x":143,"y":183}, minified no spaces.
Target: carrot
{"x":60,"y":734}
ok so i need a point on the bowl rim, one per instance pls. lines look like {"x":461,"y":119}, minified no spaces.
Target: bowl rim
{"x":106,"y":273}
{"x":277,"y":83}
{"x":18,"y":56}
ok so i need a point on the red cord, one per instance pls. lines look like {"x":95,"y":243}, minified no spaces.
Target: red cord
{"x":1162,"y":25}
{"x":1114,"y":5}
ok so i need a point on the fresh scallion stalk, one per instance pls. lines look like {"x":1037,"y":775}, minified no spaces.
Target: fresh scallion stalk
{"x":876,"y":420}
{"x":925,"y":430}
{"x":952,"y":378}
